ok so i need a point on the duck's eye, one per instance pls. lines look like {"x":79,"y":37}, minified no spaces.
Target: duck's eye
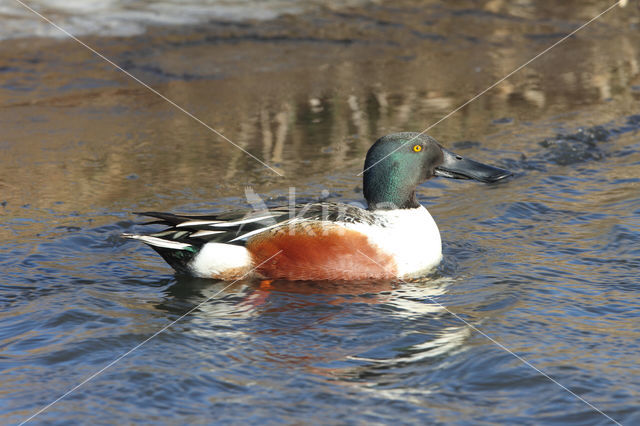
{"x":417,"y":148}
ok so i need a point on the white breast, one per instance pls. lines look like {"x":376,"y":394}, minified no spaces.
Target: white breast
{"x":410,"y":236}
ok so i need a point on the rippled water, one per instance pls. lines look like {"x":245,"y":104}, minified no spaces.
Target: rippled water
{"x":546,"y":263}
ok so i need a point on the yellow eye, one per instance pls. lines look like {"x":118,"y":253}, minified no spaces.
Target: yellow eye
{"x":417,"y":148}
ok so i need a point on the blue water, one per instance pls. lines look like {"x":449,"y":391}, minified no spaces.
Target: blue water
{"x":543,"y":266}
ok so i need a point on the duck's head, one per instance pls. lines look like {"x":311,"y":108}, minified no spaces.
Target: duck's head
{"x":399,"y":162}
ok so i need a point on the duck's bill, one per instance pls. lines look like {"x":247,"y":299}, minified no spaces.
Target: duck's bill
{"x":456,"y":167}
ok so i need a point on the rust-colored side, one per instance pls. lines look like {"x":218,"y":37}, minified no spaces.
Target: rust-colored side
{"x":315,"y":251}
{"x":232,"y":274}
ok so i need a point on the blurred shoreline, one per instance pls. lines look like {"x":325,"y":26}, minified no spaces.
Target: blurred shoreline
{"x":113,"y":18}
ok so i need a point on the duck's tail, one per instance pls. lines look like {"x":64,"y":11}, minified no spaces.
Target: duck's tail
{"x":176,"y":254}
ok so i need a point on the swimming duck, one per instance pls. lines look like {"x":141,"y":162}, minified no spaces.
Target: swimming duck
{"x":395,"y":237}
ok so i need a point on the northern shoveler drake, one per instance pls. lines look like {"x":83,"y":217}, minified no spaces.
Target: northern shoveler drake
{"x":395,"y":237}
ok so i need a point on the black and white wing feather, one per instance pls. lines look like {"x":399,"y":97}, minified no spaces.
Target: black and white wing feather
{"x":235,"y":227}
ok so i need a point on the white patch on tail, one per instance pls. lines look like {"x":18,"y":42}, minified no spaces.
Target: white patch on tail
{"x":218,"y":259}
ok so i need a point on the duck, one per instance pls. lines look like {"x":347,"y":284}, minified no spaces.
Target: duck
{"x":394,"y":237}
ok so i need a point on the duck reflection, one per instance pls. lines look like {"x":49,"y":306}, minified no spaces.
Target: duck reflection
{"x":344,"y":332}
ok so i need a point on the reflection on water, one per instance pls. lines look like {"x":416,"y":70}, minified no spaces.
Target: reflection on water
{"x":281,"y":311}
{"x":308,"y":113}
{"x":545,"y":263}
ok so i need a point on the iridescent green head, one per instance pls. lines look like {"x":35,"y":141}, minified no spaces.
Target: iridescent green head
{"x":399,"y":162}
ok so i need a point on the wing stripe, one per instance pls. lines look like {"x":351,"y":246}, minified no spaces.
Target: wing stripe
{"x":204,"y":233}
{"x":196,"y":223}
{"x":257,"y":231}
{"x":242,"y":222}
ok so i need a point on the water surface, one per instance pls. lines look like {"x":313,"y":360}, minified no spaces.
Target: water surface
{"x":546,"y":263}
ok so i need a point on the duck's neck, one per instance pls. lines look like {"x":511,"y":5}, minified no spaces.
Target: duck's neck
{"x":386,"y":190}
{"x":399,"y":203}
